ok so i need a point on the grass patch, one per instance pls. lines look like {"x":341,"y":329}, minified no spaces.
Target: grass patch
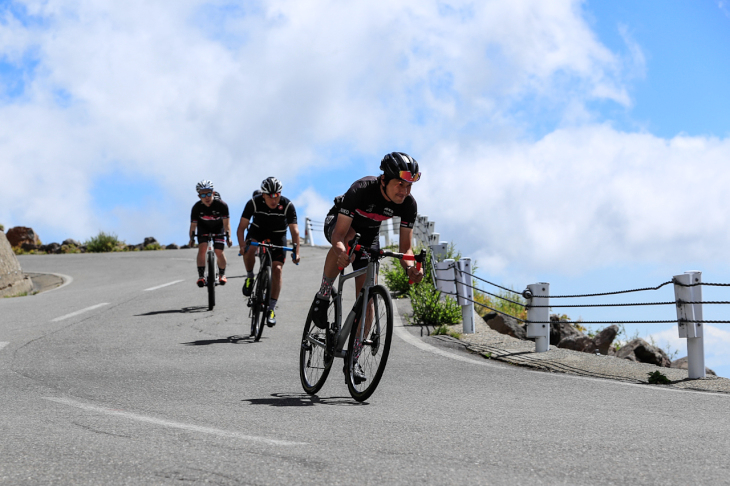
{"x":658,"y":378}
{"x":104,"y":243}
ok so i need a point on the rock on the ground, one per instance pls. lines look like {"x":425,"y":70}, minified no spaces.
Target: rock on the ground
{"x":579,"y":342}
{"x":12,"y":279}
{"x":682,"y":364}
{"x":171,"y":246}
{"x":605,"y":338}
{"x":505,"y":325}
{"x":560,"y":330}
{"x":643,"y":352}
{"x":21,"y":234}
{"x":69,"y":242}
{"x":149,"y":241}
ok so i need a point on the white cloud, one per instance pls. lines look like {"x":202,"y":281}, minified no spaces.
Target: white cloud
{"x":180,"y":91}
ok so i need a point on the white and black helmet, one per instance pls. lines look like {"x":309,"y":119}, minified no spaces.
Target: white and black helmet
{"x":271,"y":185}
{"x":398,"y":165}
{"x":204,"y":185}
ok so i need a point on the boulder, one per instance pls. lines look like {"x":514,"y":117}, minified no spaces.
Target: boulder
{"x":560,"y":330}
{"x":579,"y":342}
{"x":149,"y":241}
{"x":605,"y":338}
{"x":172,"y":246}
{"x":506,"y":325}
{"x":12,"y":279}
{"x":25,"y":246}
{"x":50,"y":248}
{"x":20,"y":234}
{"x":643,"y":352}
{"x":682,"y":364}
{"x":69,"y":242}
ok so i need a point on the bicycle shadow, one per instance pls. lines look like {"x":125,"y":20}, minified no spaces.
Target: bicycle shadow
{"x":184,"y":310}
{"x":228,"y":340}
{"x":301,"y":400}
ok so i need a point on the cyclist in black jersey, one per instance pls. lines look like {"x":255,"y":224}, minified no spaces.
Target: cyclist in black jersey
{"x":272,"y":214}
{"x":210,"y":216}
{"x":369,"y":202}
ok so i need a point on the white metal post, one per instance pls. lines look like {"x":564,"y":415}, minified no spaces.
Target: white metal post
{"x":538,"y":318}
{"x":466,"y":294}
{"x":385,"y":231}
{"x":687,"y":317}
{"x":308,"y":232}
{"x":439,"y":250}
{"x":446,"y":277}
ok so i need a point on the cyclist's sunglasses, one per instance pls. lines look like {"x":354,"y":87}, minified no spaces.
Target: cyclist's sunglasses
{"x":408,"y":177}
{"x":205,"y":194}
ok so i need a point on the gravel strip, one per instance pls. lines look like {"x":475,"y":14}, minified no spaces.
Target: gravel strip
{"x":493,"y":345}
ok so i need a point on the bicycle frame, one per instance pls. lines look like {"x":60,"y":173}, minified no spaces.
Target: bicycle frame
{"x":344,"y":331}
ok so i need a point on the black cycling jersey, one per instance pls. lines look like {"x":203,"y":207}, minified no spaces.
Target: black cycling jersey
{"x":367,"y":207}
{"x":269,"y":220}
{"x":209,"y":218}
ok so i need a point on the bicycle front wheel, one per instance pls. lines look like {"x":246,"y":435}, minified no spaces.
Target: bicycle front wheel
{"x":315,"y":360}
{"x":369,"y":345}
{"x":261,"y":293}
{"x":210,"y":280}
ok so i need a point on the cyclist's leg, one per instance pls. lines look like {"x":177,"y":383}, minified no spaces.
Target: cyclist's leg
{"x":202,"y":248}
{"x":276,"y":272}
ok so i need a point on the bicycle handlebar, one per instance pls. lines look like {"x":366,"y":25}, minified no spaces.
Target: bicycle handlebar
{"x":353,"y":246}
{"x":285,"y":248}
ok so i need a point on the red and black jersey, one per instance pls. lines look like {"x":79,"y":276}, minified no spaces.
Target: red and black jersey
{"x":367,"y":207}
{"x":209,"y":218}
{"x":270,"y":220}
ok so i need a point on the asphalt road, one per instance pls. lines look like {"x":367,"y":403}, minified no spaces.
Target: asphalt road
{"x":118,"y":378}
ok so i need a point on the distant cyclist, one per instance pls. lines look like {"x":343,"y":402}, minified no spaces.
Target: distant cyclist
{"x":210,"y":216}
{"x":272,"y":214}
{"x":369,"y":201}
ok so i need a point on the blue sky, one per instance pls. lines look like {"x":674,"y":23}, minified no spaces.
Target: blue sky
{"x":582,"y":143}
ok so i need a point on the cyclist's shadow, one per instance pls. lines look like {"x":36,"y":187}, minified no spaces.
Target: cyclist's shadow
{"x":300,"y":400}
{"x":228,"y":340}
{"x":184,"y":310}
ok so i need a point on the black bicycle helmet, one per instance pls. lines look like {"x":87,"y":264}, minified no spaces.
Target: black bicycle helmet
{"x":271,"y":185}
{"x":398,"y":165}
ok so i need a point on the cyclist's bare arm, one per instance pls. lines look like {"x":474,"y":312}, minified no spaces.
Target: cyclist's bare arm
{"x":227,"y":229}
{"x":193,"y":228}
{"x":294,"y":230}
{"x":404,"y":246}
{"x":242,"y":225}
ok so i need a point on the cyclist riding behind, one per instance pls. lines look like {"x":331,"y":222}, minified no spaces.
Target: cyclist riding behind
{"x":272,"y":213}
{"x":210,"y":217}
{"x":369,"y":201}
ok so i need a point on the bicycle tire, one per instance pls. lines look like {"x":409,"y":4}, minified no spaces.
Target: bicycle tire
{"x":314,"y":362}
{"x":263,"y":282}
{"x":210,"y":281}
{"x":372,"y":355}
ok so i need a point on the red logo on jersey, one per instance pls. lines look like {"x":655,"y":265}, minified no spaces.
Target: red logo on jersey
{"x":280,"y":207}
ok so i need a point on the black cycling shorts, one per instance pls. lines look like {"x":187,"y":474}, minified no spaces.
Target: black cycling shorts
{"x":367,"y":239}
{"x":219,"y":241}
{"x":278,"y":238}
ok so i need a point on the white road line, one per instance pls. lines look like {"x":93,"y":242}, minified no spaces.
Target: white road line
{"x":79,"y":312}
{"x":2,"y":345}
{"x":163,"y":285}
{"x":175,"y":425}
{"x":414,"y":341}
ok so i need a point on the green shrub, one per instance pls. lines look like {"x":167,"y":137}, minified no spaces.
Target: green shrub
{"x":103,"y":243}
{"x":395,"y":277}
{"x":152,"y":247}
{"x":429,"y":309}
{"x":445,"y":330}
{"x":70,"y":249}
{"x":2,"y":228}
{"x":658,"y":378}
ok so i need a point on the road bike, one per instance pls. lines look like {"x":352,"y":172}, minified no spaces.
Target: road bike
{"x":258,"y":302}
{"x":211,"y":267}
{"x":368,"y":340}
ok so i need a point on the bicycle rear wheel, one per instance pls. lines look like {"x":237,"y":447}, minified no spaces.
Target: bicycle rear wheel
{"x":210,"y":280}
{"x":258,"y":310}
{"x":369,"y":354}
{"x":315,"y":361}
